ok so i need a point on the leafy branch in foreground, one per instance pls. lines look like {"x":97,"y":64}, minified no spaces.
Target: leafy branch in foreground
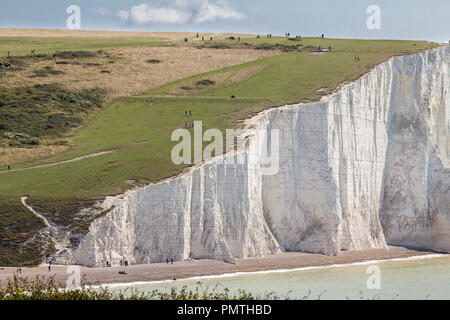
{"x":40,"y":288}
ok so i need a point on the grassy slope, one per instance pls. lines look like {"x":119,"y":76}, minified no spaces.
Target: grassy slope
{"x":141,"y":127}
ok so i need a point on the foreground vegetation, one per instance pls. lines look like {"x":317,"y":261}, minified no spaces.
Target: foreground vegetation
{"x":138,"y":129}
{"x":39,"y":288}
{"x":20,"y":288}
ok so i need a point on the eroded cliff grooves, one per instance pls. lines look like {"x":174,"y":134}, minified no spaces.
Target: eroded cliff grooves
{"x":364,"y":167}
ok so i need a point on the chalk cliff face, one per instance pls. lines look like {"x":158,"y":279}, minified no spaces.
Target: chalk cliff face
{"x":364,"y":167}
{"x":214,"y":211}
{"x":416,"y":193}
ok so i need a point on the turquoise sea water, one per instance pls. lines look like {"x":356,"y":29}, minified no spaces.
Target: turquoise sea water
{"x":411,"y":279}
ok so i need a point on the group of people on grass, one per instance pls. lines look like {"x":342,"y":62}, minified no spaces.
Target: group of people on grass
{"x":189,"y":124}
{"x":203,"y":38}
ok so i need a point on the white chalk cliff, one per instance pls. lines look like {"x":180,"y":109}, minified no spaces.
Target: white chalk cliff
{"x":365,"y":167}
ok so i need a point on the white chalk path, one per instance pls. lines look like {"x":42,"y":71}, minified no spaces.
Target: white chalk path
{"x":40,"y":216}
{"x":61,"y":162}
{"x":60,"y":237}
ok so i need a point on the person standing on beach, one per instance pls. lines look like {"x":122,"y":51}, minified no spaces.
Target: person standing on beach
{"x":49,"y":266}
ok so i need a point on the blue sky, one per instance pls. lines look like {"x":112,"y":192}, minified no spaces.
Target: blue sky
{"x":400,"y":19}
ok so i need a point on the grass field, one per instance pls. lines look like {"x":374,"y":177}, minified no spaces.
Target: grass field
{"x":23,"y":45}
{"x":46,"y":41}
{"x":118,"y":72}
{"x":138,"y":129}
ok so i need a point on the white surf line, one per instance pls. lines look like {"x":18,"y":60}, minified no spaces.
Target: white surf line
{"x":61,"y":162}
{"x":237,"y":274}
{"x":23,"y":200}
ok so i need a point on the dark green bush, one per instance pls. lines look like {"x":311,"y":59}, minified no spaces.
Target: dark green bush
{"x":76,"y":54}
{"x":205,"y":82}
{"x":44,"y":110}
{"x":43,"y":73}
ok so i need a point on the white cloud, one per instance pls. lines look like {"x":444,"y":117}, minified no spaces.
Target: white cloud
{"x":123,"y":15}
{"x":101,"y":11}
{"x":180,"y":11}
{"x":210,"y":12}
{"x":145,"y":14}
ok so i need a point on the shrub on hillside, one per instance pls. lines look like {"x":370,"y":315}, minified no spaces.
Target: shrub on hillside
{"x":44,"y":110}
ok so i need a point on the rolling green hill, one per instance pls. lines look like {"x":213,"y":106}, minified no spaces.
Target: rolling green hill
{"x":137,"y":130}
